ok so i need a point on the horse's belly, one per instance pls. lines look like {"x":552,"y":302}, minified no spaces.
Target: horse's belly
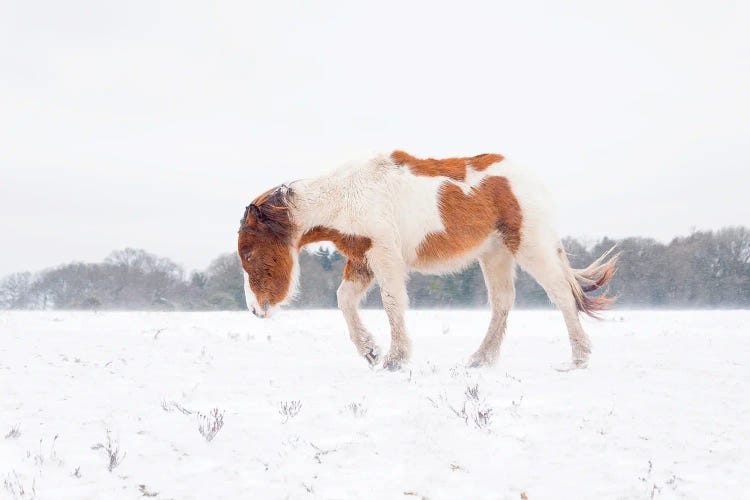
{"x":451,"y":263}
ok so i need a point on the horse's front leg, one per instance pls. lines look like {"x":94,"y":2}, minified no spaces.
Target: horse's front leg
{"x":390,"y":272}
{"x":357,"y":280}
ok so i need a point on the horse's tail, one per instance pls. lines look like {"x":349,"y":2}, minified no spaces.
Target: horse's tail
{"x":590,"y":279}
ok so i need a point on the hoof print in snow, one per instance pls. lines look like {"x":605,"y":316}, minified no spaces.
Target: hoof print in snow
{"x":572,"y":365}
{"x":144,"y":491}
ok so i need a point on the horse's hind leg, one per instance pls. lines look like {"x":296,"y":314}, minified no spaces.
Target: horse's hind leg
{"x":498,"y":267}
{"x":548,"y":265}
{"x":357,"y":280}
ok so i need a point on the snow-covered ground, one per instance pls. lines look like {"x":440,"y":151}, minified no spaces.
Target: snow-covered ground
{"x":662,"y":412}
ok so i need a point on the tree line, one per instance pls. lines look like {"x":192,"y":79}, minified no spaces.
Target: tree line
{"x":706,"y":269}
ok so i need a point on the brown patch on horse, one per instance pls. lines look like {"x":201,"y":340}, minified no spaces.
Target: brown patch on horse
{"x":353,"y":247}
{"x":454,"y":168}
{"x":263,"y":245}
{"x":471,"y":219}
{"x":357,"y":271}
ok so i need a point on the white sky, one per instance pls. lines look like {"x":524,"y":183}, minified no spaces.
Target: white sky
{"x":152,"y":124}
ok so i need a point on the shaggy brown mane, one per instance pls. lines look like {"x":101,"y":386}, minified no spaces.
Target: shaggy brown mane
{"x":268,"y":214}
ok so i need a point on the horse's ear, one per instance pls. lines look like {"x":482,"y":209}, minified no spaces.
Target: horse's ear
{"x":253,"y":210}
{"x":257,"y":212}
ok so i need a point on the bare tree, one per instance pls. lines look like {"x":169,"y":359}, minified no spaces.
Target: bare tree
{"x":15,"y":291}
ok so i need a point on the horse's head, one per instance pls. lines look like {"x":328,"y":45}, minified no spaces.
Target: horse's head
{"x":266,"y":251}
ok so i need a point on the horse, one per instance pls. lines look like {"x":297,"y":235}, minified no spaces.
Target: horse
{"x":394,"y":213}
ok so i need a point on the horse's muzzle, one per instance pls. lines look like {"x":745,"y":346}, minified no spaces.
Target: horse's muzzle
{"x":262,"y":312}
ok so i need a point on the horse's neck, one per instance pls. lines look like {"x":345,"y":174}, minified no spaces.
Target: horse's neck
{"x":316,"y":202}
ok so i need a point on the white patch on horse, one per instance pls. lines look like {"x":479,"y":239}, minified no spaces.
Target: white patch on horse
{"x":416,"y":210}
{"x":474,"y":179}
{"x":294,"y":279}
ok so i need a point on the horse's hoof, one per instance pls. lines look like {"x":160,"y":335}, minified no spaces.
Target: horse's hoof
{"x":392,"y":363}
{"x":373,"y":356}
{"x":479,"y":360}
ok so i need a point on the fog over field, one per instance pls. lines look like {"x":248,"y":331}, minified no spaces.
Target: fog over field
{"x":706,"y":269}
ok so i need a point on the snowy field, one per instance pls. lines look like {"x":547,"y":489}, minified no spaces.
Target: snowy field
{"x":662,"y":412}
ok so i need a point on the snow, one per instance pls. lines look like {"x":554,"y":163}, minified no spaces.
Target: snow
{"x":661,"y":412}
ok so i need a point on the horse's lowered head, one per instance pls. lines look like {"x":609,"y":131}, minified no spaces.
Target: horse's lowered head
{"x":267,"y":252}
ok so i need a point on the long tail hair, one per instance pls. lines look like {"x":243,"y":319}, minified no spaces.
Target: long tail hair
{"x":590,"y":279}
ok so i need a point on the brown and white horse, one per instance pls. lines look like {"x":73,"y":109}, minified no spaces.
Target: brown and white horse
{"x":395,"y":213}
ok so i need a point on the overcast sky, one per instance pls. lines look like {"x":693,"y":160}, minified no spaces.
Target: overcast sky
{"x":152,"y":124}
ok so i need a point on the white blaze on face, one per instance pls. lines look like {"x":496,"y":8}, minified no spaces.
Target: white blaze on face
{"x":294,"y":281}
{"x":252,"y":301}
